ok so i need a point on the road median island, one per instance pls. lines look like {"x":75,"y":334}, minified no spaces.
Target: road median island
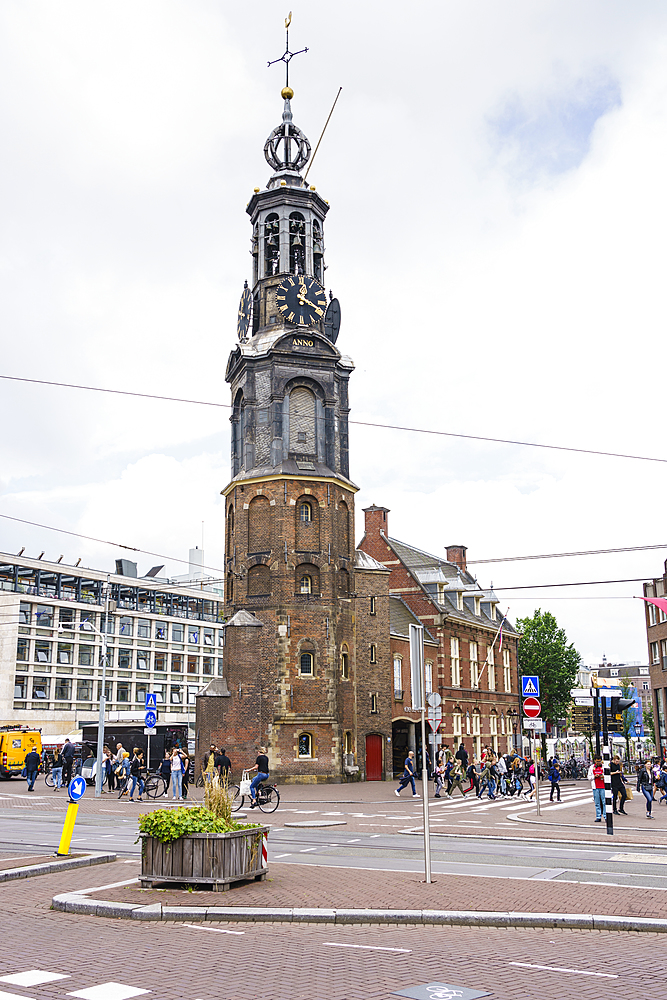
{"x":50,"y":867}
{"x":303,"y":893}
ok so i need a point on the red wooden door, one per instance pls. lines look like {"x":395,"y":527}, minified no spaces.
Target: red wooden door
{"x":374,"y":757}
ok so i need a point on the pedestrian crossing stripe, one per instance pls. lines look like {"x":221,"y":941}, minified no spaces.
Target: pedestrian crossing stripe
{"x":530,"y":685}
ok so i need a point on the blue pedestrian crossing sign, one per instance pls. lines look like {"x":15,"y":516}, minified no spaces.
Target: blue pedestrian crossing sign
{"x":151,"y":701}
{"x":530,"y":686}
{"x":150,"y":719}
{"x":76,"y":788}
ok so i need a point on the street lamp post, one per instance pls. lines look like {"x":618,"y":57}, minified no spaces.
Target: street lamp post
{"x":103,"y":691}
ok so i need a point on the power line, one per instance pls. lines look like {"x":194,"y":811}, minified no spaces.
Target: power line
{"x":562,"y":555}
{"x":581,"y":583}
{"x":357,"y":423}
{"x":104,"y":541}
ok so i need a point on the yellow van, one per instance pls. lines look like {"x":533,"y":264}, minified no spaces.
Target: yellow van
{"x":14,"y":745}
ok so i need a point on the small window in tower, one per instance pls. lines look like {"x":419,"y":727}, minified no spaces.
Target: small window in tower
{"x":372,"y":605}
{"x":271,"y":246}
{"x":306,"y":665}
{"x":345,"y":666}
{"x":305,"y":511}
{"x":297,"y":243}
{"x":305,"y":745}
{"x":301,"y":437}
{"x":374,"y":653}
{"x":374,"y":704}
{"x":306,"y":585}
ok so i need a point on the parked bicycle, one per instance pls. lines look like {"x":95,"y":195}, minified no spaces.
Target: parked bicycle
{"x":156,"y":785}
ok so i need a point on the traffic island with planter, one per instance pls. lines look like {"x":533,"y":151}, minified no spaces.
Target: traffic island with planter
{"x":197,"y":847}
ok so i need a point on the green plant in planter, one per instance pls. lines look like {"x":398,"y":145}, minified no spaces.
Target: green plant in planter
{"x":167,"y":825}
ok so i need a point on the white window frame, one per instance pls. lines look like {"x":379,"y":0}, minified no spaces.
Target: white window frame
{"x":456,"y":723}
{"x":491,"y":669}
{"x":454,"y":652}
{"x":474,"y":664}
{"x":507,"y":671}
{"x":428,"y":671}
{"x":398,"y":673}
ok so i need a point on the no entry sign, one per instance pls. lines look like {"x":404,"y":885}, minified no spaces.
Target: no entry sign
{"x":532,"y":708}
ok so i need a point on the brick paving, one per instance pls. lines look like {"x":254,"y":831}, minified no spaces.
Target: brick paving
{"x":305,"y":886}
{"x":290,"y":962}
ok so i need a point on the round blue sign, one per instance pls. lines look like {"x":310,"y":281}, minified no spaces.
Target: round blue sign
{"x":76,"y":788}
{"x":151,"y":719}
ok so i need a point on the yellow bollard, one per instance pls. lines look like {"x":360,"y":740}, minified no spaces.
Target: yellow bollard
{"x":68,"y":829}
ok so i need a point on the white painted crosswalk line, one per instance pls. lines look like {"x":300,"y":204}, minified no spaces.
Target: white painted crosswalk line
{"x":109,"y":991}
{"x":32,"y":977}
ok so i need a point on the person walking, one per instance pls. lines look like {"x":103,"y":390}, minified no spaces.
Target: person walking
{"x":473,"y":777}
{"x":32,"y":762}
{"x":68,"y":761}
{"x":223,"y":765}
{"x":186,"y":772}
{"x":176,"y":775}
{"x":618,"y":785}
{"x":57,"y":769}
{"x":645,"y":786}
{"x":137,"y":768}
{"x":438,"y":778}
{"x":408,"y":775}
{"x":596,"y":778}
{"x":501,"y":767}
{"x":532,"y":777}
{"x":123,"y":771}
{"x":261,"y":765}
{"x":462,"y":755}
{"x":456,"y":777}
{"x":165,"y":771}
{"x":554,"y":778}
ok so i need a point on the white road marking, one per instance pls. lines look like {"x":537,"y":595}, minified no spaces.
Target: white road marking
{"x":366,"y":947}
{"x":276,"y":856}
{"x":33,"y":977}
{"x":109,"y":991}
{"x":356,"y":841}
{"x":112,"y":885}
{"x":647,"y":859}
{"x":560,"y":968}
{"x":305,"y":850}
{"x":216,"y":930}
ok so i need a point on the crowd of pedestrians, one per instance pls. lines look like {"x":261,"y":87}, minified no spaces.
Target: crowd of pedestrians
{"x":496,"y":775}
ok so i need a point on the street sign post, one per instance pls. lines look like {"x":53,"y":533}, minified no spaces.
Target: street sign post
{"x":76,"y":788}
{"x":150,"y":720}
{"x":530,"y":685}
{"x":532,"y":708}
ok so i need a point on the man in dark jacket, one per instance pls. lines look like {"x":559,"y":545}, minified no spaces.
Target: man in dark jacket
{"x":32,"y":762}
{"x":223,"y":764}
{"x":462,"y":755}
{"x":68,"y":761}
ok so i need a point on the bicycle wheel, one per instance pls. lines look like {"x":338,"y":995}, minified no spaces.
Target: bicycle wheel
{"x":48,"y":779}
{"x":268,"y":799}
{"x":154,"y":786}
{"x":199,"y":783}
{"x":234,"y":793}
{"x":122,"y":787}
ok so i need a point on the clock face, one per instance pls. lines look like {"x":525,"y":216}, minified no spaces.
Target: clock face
{"x":301,"y":300}
{"x":245,"y":310}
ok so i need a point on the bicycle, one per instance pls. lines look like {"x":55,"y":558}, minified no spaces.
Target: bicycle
{"x":123,"y":784}
{"x":267,"y":796}
{"x":156,"y":785}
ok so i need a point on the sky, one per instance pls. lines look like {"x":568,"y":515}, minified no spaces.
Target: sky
{"x":495,"y":238}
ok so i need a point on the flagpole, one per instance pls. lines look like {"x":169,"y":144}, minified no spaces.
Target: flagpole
{"x":486,"y":662}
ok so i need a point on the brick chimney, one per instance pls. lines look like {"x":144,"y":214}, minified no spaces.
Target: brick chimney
{"x":376,"y":521}
{"x":457,"y":554}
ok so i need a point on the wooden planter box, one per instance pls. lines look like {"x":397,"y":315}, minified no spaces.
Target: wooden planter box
{"x":212,"y":859}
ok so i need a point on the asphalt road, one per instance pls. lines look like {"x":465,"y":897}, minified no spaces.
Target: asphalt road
{"x":22,"y":829}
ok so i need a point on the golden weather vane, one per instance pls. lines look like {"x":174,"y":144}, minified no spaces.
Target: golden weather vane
{"x":287,"y":56}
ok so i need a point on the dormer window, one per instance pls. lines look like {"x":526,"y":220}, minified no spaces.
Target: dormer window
{"x":459,"y":600}
{"x":478,"y":606}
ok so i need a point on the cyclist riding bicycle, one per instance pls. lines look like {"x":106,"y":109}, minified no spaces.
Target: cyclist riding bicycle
{"x":262,"y":768}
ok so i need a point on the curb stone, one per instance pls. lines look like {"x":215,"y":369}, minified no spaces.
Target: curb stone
{"x":50,"y":867}
{"x":76,"y":903}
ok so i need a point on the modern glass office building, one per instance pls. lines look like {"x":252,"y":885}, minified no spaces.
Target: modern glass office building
{"x":162,"y":636}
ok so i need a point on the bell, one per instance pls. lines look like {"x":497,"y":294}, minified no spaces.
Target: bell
{"x":271,"y":241}
{"x":297,"y":241}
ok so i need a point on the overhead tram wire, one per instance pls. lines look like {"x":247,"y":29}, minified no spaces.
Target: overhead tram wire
{"x":563,"y":555}
{"x":356,"y":423}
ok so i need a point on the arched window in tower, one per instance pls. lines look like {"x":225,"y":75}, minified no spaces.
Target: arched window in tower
{"x":345,"y":663}
{"x":307,"y":581}
{"x":271,"y":245}
{"x":230,"y":531}
{"x":318,"y":250}
{"x":254,"y":249}
{"x":302,"y":439}
{"x":297,"y":243}
{"x":307,"y":527}
{"x":259,"y":522}
{"x":305,"y":511}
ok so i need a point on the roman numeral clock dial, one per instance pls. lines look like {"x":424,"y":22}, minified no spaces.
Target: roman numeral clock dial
{"x":301,"y":300}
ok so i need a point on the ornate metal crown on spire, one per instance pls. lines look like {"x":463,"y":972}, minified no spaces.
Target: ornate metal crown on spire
{"x":287,"y":148}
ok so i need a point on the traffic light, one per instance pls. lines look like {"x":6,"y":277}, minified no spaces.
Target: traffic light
{"x":619,"y":705}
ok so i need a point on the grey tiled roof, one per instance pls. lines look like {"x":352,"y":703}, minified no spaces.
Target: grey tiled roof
{"x":430,"y":570}
{"x":401,"y":617}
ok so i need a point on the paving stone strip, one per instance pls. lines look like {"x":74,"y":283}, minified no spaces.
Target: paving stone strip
{"x":56,"y":865}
